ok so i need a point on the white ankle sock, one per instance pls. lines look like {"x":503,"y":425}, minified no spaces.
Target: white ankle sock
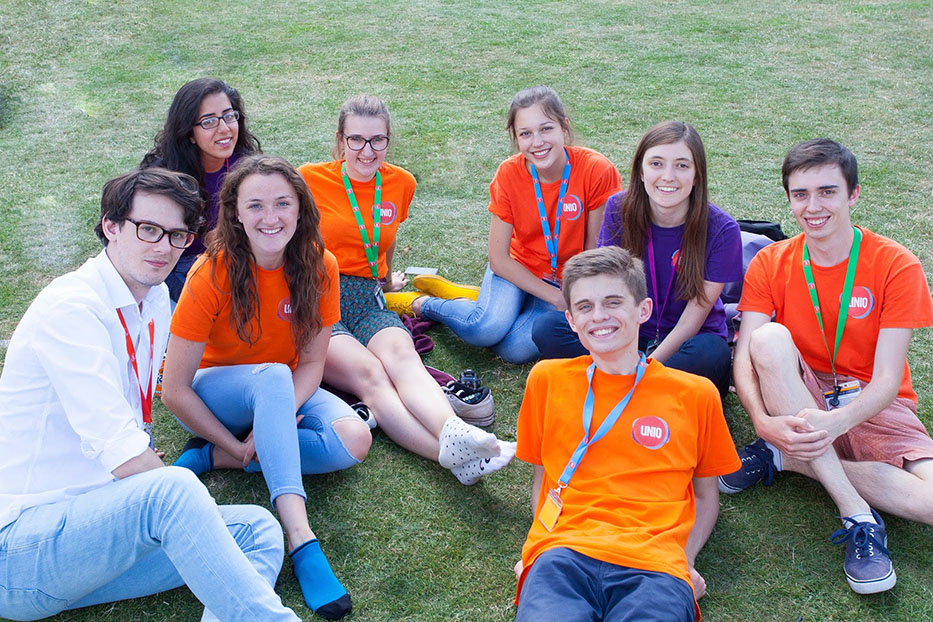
{"x":472,"y":471}
{"x":778,"y":456}
{"x":860,"y":518}
{"x":461,"y":442}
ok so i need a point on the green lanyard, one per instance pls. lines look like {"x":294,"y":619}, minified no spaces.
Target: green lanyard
{"x":370,"y":248}
{"x":844,"y":299}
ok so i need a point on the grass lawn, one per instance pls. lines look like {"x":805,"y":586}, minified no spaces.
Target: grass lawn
{"x":85,"y":85}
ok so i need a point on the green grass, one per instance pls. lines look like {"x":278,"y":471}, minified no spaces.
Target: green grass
{"x":84,"y":86}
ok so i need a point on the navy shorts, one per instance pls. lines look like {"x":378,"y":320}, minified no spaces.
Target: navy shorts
{"x":582,"y":588}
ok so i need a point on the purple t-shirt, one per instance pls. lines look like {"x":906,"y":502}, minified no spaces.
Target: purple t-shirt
{"x":723,"y":265}
{"x":212,"y":183}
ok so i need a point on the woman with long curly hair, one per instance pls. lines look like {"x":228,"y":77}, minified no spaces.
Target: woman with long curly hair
{"x":372,"y":354}
{"x":690,"y":248}
{"x":205,"y":133}
{"x":248,"y":342}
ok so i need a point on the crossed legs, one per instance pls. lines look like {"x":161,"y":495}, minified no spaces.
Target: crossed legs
{"x":853,"y":486}
{"x":407,"y":402}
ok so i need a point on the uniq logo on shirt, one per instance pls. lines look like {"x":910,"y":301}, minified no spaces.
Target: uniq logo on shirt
{"x":285,"y":309}
{"x":862,"y":302}
{"x":651,"y":432}
{"x":388,"y":212}
{"x":573,"y":207}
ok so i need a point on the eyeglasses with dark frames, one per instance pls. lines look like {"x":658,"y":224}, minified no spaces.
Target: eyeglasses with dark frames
{"x":152,"y":233}
{"x":357,"y":142}
{"x":230,"y":117}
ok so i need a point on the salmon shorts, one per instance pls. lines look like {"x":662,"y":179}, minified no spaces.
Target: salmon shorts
{"x":892,"y":436}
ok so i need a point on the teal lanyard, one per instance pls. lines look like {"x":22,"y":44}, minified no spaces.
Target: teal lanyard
{"x":550,"y":240}
{"x":844,"y":300}
{"x":370,"y":248}
{"x":607,"y":424}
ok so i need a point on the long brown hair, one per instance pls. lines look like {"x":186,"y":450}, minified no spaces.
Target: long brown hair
{"x":304,"y":254}
{"x":174,"y":148}
{"x":636,"y":208}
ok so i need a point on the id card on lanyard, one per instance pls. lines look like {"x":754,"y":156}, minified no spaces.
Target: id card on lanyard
{"x":371,"y":248}
{"x":551,"y":509}
{"x":145,"y":398}
{"x":847,"y":392}
{"x":551,"y":239}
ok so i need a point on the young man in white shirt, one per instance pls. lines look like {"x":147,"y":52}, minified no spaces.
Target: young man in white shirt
{"x":87,"y":513}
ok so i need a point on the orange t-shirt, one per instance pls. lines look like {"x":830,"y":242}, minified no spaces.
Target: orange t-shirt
{"x":630,"y":501}
{"x":890,"y":291}
{"x":338,"y":226}
{"x":203,"y":314}
{"x":593,"y":179}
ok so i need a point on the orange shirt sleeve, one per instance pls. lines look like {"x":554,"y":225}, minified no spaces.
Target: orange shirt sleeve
{"x":716,"y":453}
{"x":603,"y":182}
{"x":531,"y":417}
{"x":200,"y":302}
{"x":329,"y":304}
{"x":756,"y":289}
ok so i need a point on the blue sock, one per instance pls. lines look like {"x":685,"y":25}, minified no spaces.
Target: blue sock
{"x":197,"y":456}
{"x":320,"y":587}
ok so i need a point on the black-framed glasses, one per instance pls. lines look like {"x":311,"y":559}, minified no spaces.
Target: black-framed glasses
{"x":230,"y":117}
{"x":152,"y":233}
{"x":357,"y":142}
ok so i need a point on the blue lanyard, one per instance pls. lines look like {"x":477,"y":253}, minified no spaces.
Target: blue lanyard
{"x":610,"y":420}
{"x":550,"y":240}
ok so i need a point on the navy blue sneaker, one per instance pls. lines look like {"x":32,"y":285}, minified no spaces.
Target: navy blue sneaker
{"x":867,"y":563}
{"x":757,"y":466}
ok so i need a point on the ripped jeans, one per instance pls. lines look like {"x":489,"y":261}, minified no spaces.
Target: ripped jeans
{"x":261,"y":398}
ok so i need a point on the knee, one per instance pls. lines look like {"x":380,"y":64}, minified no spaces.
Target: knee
{"x":177,"y":485}
{"x":355,"y":436}
{"x":265,"y":527}
{"x":178,"y":478}
{"x":370,"y":375}
{"x":258,"y":534}
{"x":517,"y":348}
{"x":398,"y":350}
{"x":771,"y":346}
{"x":276,"y":374}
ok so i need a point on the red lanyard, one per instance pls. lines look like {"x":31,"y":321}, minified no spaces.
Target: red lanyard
{"x":144,"y":398}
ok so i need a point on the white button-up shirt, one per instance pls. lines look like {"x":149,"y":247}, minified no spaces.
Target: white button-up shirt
{"x":70,"y":410}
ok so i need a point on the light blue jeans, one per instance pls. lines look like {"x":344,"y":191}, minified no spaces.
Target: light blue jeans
{"x":144,"y":534}
{"x":501,"y":318}
{"x":261,"y":398}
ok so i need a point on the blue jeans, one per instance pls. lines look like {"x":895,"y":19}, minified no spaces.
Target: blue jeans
{"x":177,"y":277}
{"x":501,"y":318}
{"x":582,"y":588}
{"x":261,"y":398}
{"x":137,"y":536}
{"x":705,"y":354}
